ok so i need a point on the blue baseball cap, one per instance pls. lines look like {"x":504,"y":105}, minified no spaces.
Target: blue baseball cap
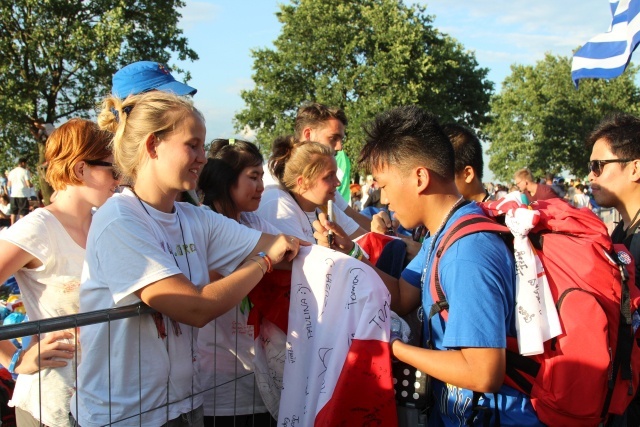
{"x":143,"y":76}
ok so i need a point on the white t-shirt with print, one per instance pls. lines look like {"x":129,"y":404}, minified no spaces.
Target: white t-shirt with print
{"x":226,"y":347}
{"x":129,"y":248}
{"x":50,"y":290}
{"x":279,"y":208}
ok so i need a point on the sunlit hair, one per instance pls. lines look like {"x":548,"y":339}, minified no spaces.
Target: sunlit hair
{"x":525,"y":174}
{"x":225,"y":164}
{"x":137,"y":117}
{"x":73,"y":142}
{"x":314,"y":115}
{"x":290,"y":159}
{"x":405,"y":137}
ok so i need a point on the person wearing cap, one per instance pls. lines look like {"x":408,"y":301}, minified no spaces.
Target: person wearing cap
{"x":143,"y":76}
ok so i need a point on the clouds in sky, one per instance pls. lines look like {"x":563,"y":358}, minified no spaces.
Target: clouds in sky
{"x":505,"y":32}
{"x":500,"y":32}
{"x":198,"y":12}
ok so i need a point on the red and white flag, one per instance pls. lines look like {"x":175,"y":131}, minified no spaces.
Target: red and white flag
{"x":338,"y":364}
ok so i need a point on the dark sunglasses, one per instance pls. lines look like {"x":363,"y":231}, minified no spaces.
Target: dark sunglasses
{"x":114,"y":173}
{"x":596,"y":166}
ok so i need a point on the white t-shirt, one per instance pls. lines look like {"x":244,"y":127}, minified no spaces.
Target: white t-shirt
{"x":5,"y":209}
{"x":581,"y":200}
{"x":50,"y":290}
{"x":279,"y":208}
{"x":129,"y":248}
{"x":226,"y":347}
{"x":18,"y":178}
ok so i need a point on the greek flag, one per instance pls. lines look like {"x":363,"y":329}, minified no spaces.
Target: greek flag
{"x":607,"y":55}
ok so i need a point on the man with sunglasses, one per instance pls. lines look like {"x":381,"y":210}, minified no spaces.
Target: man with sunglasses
{"x":614,"y":174}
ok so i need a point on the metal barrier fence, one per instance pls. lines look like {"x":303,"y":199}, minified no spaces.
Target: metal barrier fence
{"x":609,"y":216}
{"x":8,"y":332}
{"x":30,"y":328}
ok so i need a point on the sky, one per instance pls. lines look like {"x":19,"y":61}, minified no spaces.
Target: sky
{"x":500,"y":32}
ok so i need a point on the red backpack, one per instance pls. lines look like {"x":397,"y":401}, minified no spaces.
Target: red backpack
{"x":592,"y":369}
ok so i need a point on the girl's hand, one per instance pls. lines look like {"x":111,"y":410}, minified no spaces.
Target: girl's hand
{"x":341,"y":242}
{"x":285,"y":248}
{"x":51,"y":351}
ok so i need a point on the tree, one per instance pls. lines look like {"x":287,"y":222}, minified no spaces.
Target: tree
{"x":540,"y":120}
{"x":364,"y":56}
{"x":57,"y":58}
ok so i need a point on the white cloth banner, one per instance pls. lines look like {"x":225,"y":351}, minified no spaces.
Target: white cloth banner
{"x":536,"y":315}
{"x":339,"y":321}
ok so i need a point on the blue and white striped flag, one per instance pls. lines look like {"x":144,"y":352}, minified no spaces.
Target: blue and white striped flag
{"x":607,"y":55}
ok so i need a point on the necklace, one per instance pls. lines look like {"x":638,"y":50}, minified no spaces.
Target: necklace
{"x":434,"y":237}
{"x":304,"y":213}
{"x":157,"y":316}
{"x":184,"y":245}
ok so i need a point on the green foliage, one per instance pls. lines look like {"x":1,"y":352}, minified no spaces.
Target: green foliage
{"x":57,"y":58}
{"x":540,"y":121}
{"x":364,"y":56}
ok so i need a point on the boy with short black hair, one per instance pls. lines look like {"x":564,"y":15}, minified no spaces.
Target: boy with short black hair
{"x":413,"y":161}
{"x":469,"y":163}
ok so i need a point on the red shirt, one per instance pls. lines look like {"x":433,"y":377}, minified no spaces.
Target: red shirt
{"x":543,"y":192}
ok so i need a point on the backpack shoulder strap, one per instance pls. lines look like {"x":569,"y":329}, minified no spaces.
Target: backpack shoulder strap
{"x":469,"y":224}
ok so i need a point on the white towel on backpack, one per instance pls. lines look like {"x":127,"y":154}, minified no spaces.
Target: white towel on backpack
{"x":536,"y":315}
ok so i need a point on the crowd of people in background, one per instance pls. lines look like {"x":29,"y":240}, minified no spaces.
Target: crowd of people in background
{"x":143,"y":213}
{"x":366,"y":193}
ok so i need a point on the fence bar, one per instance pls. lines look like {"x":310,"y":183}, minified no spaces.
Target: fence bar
{"x":72,"y":321}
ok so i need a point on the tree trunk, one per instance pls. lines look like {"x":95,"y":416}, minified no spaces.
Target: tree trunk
{"x":45,"y":188}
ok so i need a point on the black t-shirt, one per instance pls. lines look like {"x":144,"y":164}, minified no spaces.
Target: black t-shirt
{"x":619,"y":235}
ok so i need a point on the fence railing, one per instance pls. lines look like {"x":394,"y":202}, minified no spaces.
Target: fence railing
{"x":609,"y":216}
{"x":26,"y":329}
{"x":30,"y":328}
{"x":36,"y":327}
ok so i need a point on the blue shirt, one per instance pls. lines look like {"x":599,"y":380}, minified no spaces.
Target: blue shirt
{"x":477,"y":275}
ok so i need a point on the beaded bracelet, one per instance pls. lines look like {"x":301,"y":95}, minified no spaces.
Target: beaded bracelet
{"x":14,"y":360}
{"x":266,"y":259}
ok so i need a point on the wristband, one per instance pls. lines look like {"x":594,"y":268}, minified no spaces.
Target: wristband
{"x":354,"y":249}
{"x":14,"y":360}
{"x":356,"y":252}
{"x":267,"y":260}
{"x":259,"y":265}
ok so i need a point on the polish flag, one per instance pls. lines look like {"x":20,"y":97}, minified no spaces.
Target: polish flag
{"x":337,"y":368}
